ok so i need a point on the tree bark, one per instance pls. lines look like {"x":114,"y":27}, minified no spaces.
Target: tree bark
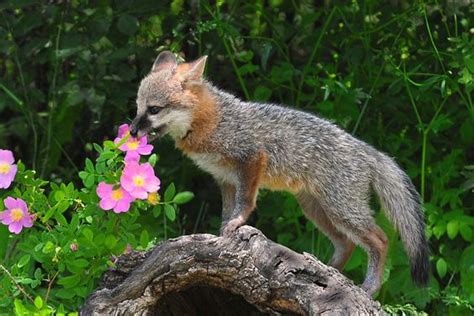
{"x":246,"y":274}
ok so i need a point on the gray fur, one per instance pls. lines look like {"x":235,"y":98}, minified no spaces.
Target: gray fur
{"x":337,"y":170}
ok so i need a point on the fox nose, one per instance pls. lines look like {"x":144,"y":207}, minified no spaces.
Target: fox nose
{"x":133,"y":131}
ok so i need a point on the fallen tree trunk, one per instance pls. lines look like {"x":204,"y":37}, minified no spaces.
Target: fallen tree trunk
{"x":247,"y":274}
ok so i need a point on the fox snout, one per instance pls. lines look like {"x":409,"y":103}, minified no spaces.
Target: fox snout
{"x":133,"y":131}
{"x":140,"y":126}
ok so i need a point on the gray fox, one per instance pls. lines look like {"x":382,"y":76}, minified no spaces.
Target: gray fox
{"x":247,"y":146}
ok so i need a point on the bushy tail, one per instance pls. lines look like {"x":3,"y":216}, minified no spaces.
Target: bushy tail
{"x":402,"y":205}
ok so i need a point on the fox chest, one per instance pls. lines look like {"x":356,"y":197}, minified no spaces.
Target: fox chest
{"x":216,"y":165}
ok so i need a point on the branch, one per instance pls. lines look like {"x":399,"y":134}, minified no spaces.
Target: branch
{"x":197,"y":274}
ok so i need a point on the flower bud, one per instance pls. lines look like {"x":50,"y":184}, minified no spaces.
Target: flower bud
{"x":73,"y":247}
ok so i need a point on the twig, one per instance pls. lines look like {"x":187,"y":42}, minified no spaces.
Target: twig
{"x":49,"y":287}
{"x":18,"y":286}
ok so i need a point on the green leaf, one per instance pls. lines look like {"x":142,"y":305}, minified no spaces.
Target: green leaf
{"x":101,"y":167}
{"x":105,"y":155}
{"x":110,"y":241}
{"x":267,"y":48}
{"x":452,"y":229}
{"x":262,"y":93}
{"x":70,"y":281}
{"x":19,"y":308}
{"x":61,"y":219}
{"x":469,"y":62}
{"x":108,"y":144}
{"x":63,"y":206}
{"x":170,"y":192}
{"x":466,"y":232}
{"x":89,"y":180}
{"x":127,"y":24}
{"x":59,"y":196}
{"x":49,"y":213}
{"x":247,"y":69}
{"x":98,"y":148}
{"x":156,"y":210}
{"x":38,"y":302}
{"x":38,"y":274}
{"x":152,"y":160}
{"x":87,"y":232}
{"x":177,"y":6}
{"x":81,"y":263}
{"x":170,"y":212}
{"x":183,"y":197}
{"x":144,"y":238}
{"x":441,"y":267}
{"x":89,"y":166}
{"x":64,"y":293}
{"x":23,"y":261}
{"x":49,"y":247}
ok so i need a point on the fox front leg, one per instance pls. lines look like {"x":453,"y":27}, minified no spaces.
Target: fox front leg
{"x":228,"y":202}
{"x":246,"y":190}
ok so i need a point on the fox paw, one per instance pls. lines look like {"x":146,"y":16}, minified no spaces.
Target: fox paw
{"x":230,"y":228}
{"x":370,"y":287}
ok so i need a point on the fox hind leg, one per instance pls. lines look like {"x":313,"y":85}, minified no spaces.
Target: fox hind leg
{"x":359,"y":225}
{"x":343,"y":246}
{"x":375,"y":242}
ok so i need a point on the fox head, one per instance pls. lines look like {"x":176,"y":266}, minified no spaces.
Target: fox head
{"x":167,"y":96}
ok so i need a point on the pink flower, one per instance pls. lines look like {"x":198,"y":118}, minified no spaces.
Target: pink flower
{"x":7,"y":168}
{"x":139,"y":180}
{"x":16,"y":216}
{"x":73,"y":247}
{"x":119,"y":200}
{"x":133,"y":146}
{"x":132,"y":157}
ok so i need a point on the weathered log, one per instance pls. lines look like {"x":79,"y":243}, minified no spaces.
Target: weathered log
{"x":246,"y":274}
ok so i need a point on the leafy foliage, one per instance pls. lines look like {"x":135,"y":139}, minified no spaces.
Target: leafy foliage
{"x":398,"y":75}
{"x":60,"y":260}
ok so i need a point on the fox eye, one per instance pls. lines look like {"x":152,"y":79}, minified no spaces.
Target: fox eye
{"x":154,"y":110}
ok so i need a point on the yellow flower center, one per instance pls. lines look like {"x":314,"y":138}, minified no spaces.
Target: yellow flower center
{"x":16,"y":214}
{"x":4,"y":168}
{"x":133,"y":145}
{"x":139,"y":181}
{"x":153,"y":198}
{"x":117,"y":195}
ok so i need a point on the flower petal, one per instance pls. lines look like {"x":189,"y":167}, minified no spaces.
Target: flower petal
{"x":26,"y":221}
{"x":122,"y":206}
{"x":10,"y":203}
{"x":12,"y":173}
{"x":22,"y":205}
{"x":4,"y":182}
{"x":5,"y":217}
{"x":104,"y":190}
{"x":107,"y":204}
{"x":132,"y":157}
{"x":139,"y":193}
{"x":152,"y":185}
{"x":123,"y":130}
{"x":145,"y":150}
{"x":15,"y":227}
{"x":7,"y":156}
{"x":127,"y":184}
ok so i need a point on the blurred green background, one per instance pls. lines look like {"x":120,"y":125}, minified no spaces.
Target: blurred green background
{"x":397,"y":74}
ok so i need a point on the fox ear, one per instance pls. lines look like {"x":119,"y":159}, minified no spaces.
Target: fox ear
{"x":195,"y":69}
{"x":165,"y":60}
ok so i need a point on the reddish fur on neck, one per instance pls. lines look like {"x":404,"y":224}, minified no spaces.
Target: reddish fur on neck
{"x":204,"y":119}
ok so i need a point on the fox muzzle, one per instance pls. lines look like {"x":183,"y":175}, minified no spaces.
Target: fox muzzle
{"x":140,"y":125}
